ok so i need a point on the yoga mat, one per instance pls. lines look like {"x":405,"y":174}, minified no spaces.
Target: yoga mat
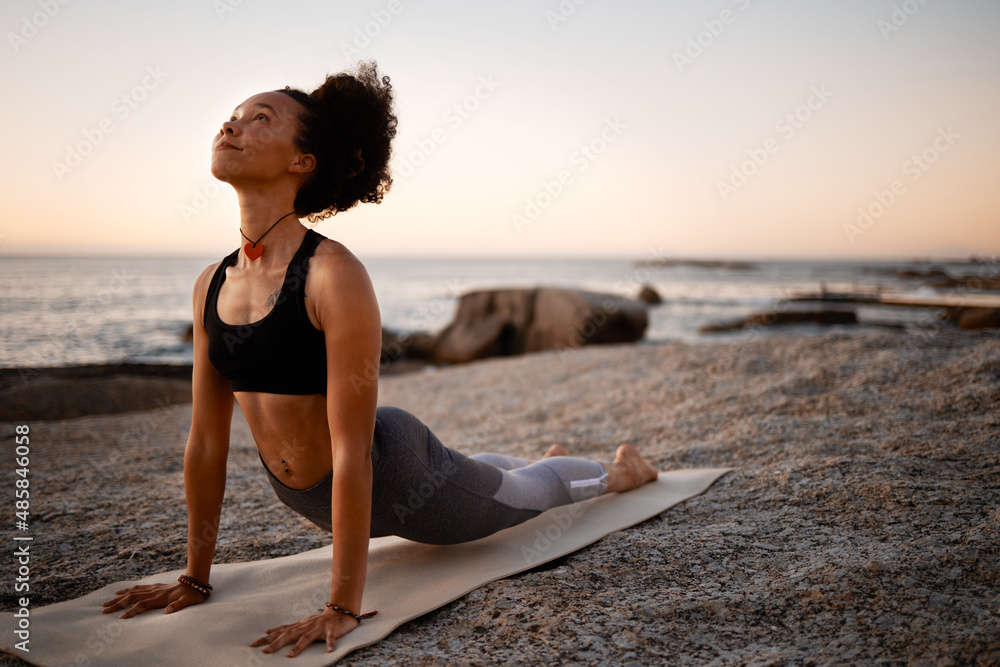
{"x":405,"y":580}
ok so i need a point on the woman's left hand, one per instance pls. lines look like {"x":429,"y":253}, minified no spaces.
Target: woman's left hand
{"x":328,"y":626}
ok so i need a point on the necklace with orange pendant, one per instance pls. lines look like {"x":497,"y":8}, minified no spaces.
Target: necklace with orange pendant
{"x":253,"y":249}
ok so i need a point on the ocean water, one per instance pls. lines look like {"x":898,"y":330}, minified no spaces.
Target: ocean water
{"x":62,"y":311}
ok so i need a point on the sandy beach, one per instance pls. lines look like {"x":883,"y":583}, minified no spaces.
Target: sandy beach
{"x":861,"y":526}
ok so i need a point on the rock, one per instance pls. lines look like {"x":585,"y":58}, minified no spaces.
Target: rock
{"x":971,"y":318}
{"x":967,"y":282}
{"x":486,"y":324}
{"x":774,"y":318}
{"x":979,"y":318}
{"x":65,"y":392}
{"x":395,"y":346}
{"x":392,"y":349}
{"x":826,"y":317}
{"x":934,"y":272}
{"x":421,"y":346}
{"x":403,"y":352}
{"x":492,"y":323}
{"x":649,"y":295}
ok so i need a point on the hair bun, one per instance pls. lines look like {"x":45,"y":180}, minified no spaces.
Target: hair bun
{"x":348,"y":125}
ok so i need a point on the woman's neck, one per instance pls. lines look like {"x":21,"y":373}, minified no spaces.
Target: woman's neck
{"x":258,"y":213}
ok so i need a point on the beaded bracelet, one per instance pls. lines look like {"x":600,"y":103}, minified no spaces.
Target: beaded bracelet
{"x":330,"y":605}
{"x":191,"y":582}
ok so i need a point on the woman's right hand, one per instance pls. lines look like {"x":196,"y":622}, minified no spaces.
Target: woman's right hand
{"x":138,"y":599}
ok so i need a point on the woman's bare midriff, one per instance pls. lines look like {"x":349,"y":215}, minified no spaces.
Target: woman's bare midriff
{"x":292,"y":429}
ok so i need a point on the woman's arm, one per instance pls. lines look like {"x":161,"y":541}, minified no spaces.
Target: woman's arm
{"x":353,"y":330}
{"x":207,"y":447}
{"x":204,"y":477}
{"x":345,"y":306}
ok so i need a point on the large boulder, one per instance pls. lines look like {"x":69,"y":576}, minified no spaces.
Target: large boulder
{"x":492,"y":323}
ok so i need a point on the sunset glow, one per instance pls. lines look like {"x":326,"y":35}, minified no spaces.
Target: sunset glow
{"x":726,"y":128}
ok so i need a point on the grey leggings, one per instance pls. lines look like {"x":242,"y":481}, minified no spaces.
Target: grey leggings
{"x":425,"y":492}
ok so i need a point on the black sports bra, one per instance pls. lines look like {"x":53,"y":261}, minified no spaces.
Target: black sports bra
{"x":282,"y":353}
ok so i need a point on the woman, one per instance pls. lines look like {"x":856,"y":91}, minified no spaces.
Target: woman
{"x":289,"y":327}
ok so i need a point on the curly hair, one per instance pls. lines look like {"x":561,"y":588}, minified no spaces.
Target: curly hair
{"x":348,"y":117}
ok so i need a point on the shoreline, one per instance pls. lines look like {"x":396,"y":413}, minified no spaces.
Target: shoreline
{"x":53,"y":393}
{"x":68,"y":391}
{"x":859,"y":527}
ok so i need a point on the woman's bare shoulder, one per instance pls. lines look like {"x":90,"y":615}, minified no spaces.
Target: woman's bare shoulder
{"x":203,"y":280}
{"x":200,"y":291}
{"x":333,"y":261}
{"x":345,"y":283}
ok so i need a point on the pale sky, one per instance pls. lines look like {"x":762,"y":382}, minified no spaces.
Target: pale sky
{"x":729,"y":128}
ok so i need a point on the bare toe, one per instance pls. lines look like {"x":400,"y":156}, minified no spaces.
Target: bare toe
{"x":556,"y":450}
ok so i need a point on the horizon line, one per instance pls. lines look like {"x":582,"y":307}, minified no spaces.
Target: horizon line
{"x":969,"y":258}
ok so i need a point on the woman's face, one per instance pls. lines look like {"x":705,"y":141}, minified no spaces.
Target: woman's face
{"x":257,"y":143}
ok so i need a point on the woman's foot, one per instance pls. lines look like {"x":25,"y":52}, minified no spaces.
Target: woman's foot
{"x":629,"y":471}
{"x":556,"y":450}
